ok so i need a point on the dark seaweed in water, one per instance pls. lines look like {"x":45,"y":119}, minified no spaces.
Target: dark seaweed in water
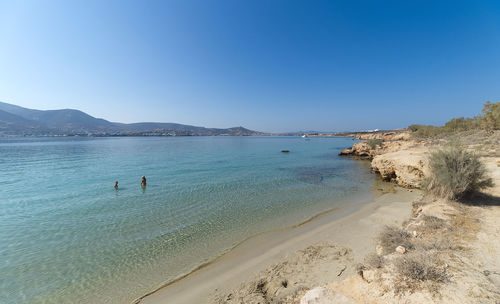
{"x":315,"y":175}
{"x":330,"y":155}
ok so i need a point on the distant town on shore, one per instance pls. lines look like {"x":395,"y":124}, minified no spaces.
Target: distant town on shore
{"x":20,"y":121}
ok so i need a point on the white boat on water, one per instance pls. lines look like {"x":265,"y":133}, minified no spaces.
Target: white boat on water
{"x":304,"y":136}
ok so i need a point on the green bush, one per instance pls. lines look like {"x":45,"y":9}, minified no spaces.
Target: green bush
{"x":490,"y":120}
{"x":462,"y":124}
{"x":373,"y":143}
{"x":428,"y":131}
{"x":455,"y":173}
{"x":414,"y":127}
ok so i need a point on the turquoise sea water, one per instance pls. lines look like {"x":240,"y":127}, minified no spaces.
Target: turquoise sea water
{"x":66,"y":236}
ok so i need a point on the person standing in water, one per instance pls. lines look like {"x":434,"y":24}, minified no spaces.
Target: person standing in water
{"x":116,"y":185}
{"x":143,"y":182}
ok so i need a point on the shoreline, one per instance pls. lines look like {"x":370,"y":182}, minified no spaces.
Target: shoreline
{"x":327,"y":249}
{"x":242,"y":262}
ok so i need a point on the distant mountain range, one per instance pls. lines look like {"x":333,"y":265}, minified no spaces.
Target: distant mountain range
{"x":16,"y":120}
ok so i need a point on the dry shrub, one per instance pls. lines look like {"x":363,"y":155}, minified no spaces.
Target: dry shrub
{"x":455,"y":173}
{"x":392,"y":237}
{"x":439,"y":243}
{"x":415,"y":269}
{"x":417,"y":205}
{"x":373,"y":143}
{"x":432,"y":223}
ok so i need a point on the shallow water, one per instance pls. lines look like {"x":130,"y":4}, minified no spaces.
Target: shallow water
{"x":66,"y":236}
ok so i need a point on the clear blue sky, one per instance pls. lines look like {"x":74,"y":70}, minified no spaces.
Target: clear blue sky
{"x":266,"y":65}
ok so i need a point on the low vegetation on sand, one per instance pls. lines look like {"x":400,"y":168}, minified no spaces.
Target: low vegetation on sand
{"x":419,"y":269}
{"x":392,"y":237}
{"x":489,"y":120}
{"x":416,"y":257}
{"x":428,"y":250}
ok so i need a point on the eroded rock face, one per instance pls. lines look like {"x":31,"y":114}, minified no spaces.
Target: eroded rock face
{"x":391,"y":142}
{"x":396,"y":158}
{"x":406,"y":168}
{"x":396,"y":145}
{"x":361,"y":149}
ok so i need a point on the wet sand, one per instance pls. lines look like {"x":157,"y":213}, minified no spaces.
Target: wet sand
{"x":350,"y":228}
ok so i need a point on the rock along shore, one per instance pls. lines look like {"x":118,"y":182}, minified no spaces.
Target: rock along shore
{"x":394,"y":155}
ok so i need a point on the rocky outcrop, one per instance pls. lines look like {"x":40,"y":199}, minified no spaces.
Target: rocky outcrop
{"x":394,"y":155}
{"x":386,"y":136}
{"x":361,"y":149}
{"x":406,"y":168}
{"x":387,"y":142}
{"x":397,"y":145}
{"x":367,"y":151}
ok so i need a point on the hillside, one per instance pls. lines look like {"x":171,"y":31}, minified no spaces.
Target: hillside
{"x":16,"y":120}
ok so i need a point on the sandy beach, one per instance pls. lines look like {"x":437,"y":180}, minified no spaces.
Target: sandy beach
{"x":328,"y":257}
{"x":350,"y":233}
{"x":250,"y":152}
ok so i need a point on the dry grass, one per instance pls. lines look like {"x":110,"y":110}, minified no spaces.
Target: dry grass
{"x":482,"y":142}
{"x":435,"y":234}
{"x":419,"y":266}
{"x":416,"y":270}
{"x":392,"y":237}
{"x":464,"y":228}
{"x":417,"y":206}
{"x":432,"y":224}
{"x":422,"y":267}
{"x":464,"y":223}
{"x":439,"y":243}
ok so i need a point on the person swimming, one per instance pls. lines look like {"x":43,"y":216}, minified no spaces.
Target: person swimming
{"x":143,"y":182}
{"x":116,"y":185}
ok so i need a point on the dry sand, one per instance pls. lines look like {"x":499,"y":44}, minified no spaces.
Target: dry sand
{"x":316,"y":253}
